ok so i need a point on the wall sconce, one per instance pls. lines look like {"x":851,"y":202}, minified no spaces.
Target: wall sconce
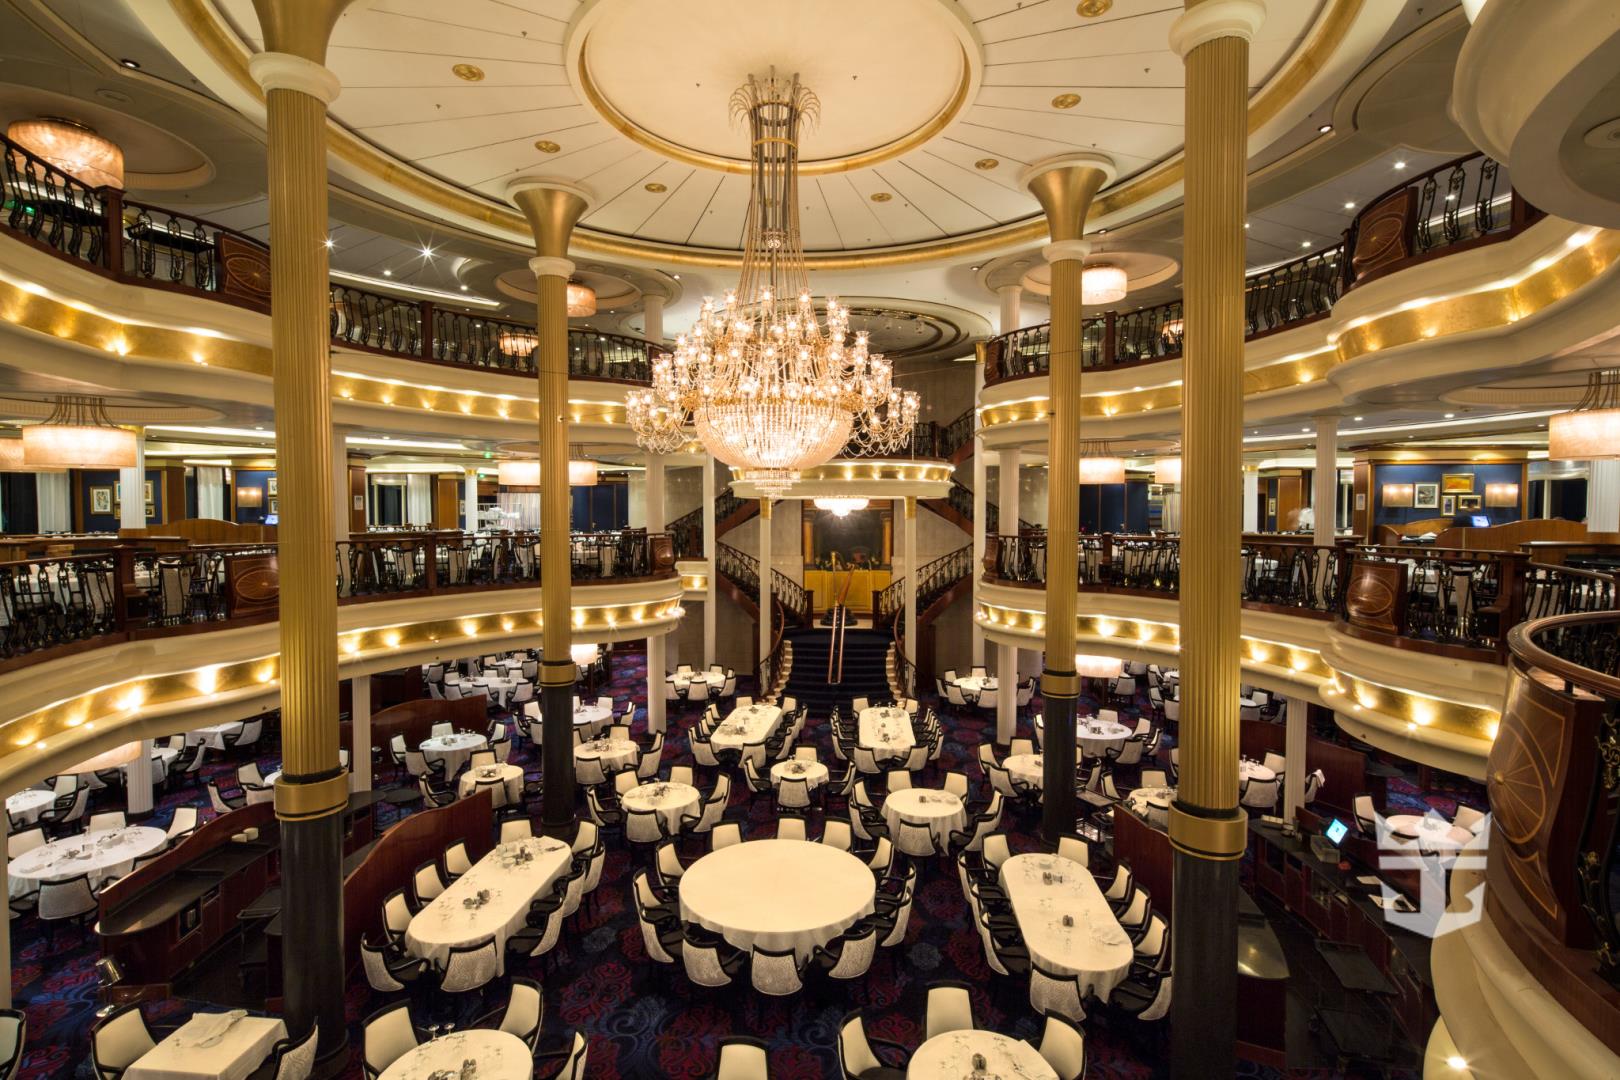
{"x":1397,"y":495}
{"x":249,"y":496}
{"x":1501,"y":494}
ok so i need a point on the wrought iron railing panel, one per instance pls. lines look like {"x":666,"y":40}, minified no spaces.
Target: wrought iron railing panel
{"x":48,"y":206}
{"x":166,"y":246}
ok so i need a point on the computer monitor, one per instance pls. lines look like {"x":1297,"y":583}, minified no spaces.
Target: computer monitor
{"x":1481,"y":521}
{"x":1336,"y":831}
{"x":270,"y":519}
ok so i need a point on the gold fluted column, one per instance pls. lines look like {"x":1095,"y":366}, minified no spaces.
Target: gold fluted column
{"x":1065,"y":187}
{"x":553,"y":209}
{"x":313,"y":790}
{"x":1207,"y":829}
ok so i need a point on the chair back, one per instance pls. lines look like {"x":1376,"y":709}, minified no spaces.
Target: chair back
{"x":470,"y":967}
{"x":701,"y":958}
{"x":790,"y":828}
{"x":1064,"y":1048}
{"x":388,"y":1036}
{"x":66,"y":899}
{"x":949,"y":1009}
{"x":775,"y":974}
{"x":724,"y":835}
{"x":120,"y":1039}
{"x":295,"y":1060}
{"x":1052,"y":993}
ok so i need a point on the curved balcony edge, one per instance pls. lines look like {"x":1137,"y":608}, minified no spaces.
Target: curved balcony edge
{"x":49,"y":718}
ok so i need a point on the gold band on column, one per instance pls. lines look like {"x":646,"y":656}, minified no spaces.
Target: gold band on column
{"x":1212,"y":421}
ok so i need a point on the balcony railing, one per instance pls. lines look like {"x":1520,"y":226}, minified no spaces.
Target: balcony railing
{"x":153,"y":247}
{"x":1459,"y":204}
{"x":1459,"y":603}
{"x":126,"y":591}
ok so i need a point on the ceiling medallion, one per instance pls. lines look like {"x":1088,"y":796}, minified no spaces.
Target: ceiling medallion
{"x":468,"y":72}
{"x":1065,"y":101}
{"x":771,"y":388}
{"x":986,"y":163}
{"x":546,"y":146}
{"x":881,"y":196}
{"x":1090,"y":9}
{"x":656,"y":188}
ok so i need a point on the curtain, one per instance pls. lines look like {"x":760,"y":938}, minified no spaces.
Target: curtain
{"x":520,"y":510}
{"x":210,"y":491}
{"x":419,"y":501}
{"x":55,"y":513}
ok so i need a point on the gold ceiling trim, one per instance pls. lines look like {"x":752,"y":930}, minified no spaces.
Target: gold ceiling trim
{"x":208,"y":29}
{"x":740,"y":166}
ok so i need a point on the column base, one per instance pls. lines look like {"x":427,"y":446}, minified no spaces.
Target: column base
{"x":312,"y":935}
{"x":1203,"y":1022}
{"x":557,"y":750}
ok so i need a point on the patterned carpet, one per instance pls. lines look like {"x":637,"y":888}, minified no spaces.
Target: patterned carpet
{"x":646,"y":1020}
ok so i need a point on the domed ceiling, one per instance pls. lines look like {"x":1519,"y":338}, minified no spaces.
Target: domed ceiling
{"x":929,"y":108}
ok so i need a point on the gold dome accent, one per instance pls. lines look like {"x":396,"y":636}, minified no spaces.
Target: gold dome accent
{"x":986,"y":163}
{"x":468,"y":72}
{"x":881,"y":196}
{"x":1090,"y":9}
{"x":546,"y":146}
{"x":656,"y":188}
{"x":1065,"y":101}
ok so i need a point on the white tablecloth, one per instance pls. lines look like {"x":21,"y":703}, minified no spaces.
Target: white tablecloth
{"x":672,"y":801}
{"x":509,"y":777}
{"x":1095,"y":948}
{"x":777,"y":894}
{"x":1094,"y":736}
{"x":500,"y":689}
{"x":972,"y":685}
{"x":1028,"y":768}
{"x":615,"y":753}
{"x":887,"y":732}
{"x":214,"y":734}
{"x":593,"y":718}
{"x":749,"y":724}
{"x":26,"y":806}
{"x":1253,"y":770}
{"x":1152,"y":803}
{"x":512,"y":885}
{"x":499,"y":1056}
{"x":950,"y":1057}
{"x":210,"y":1046}
{"x":453,"y":749}
{"x":1431,"y":831}
{"x":942,"y":811}
{"x":813,"y":773}
{"x":103,"y":854}
{"x":702,"y":681}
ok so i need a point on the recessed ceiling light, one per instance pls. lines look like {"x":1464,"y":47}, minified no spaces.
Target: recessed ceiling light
{"x":1102,"y":232}
{"x":1349,"y":206}
{"x":1356,"y":418}
{"x":1449,"y":415}
{"x":656,"y":188}
{"x":546,"y":146}
{"x":986,"y":164}
{"x":427,"y":252}
{"x":329,"y":244}
{"x":1324,"y":129}
{"x":388,"y":273}
{"x":468,"y":72}
{"x":1305,"y":429}
{"x":1245,"y":224}
{"x":1090,"y":9}
{"x":1065,"y":101}
{"x":1304,"y":243}
{"x":1400,"y":164}
{"x":677,"y":277}
{"x":881,"y":196}
{"x":133,"y":65}
{"x":974,"y":268}
{"x":464,"y":288}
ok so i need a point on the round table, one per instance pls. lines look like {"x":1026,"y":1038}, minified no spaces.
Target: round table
{"x":950,"y":1057}
{"x":778,"y":894}
{"x":103,"y":854}
{"x":942,"y":811}
{"x":453,"y":749}
{"x":1253,"y":770}
{"x":1095,"y":736}
{"x":499,"y":689}
{"x":26,"y":806}
{"x":671,"y":799}
{"x":498,"y":1054}
{"x":1428,"y":830}
{"x":1028,"y":768}
{"x":214,"y":736}
{"x":710,"y":680}
{"x":500,"y":777}
{"x":615,"y":754}
{"x":974,"y":685}
{"x":592,"y":718}
{"x":813,"y":773}
{"x":1152,"y":803}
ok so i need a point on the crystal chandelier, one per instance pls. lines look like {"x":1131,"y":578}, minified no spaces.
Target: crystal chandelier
{"x":771,"y":388}
{"x":841,"y":507}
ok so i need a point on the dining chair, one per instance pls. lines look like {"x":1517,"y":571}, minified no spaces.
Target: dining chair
{"x":1050,"y":992}
{"x":13,"y":1035}
{"x":118,"y":1041}
{"x":469,"y":967}
{"x":106,"y":821}
{"x":849,"y":956}
{"x":388,"y":1035}
{"x":68,"y":900}
{"x":857,"y":1053}
{"x":290,"y":1059}
{"x":426,"y":883}
{"x":456,"y":860}
{"x":776,"y":974}
{"x":724,"y":835}
{"x":524,"y":1009}
{"x":791,"y":828}
{"x":743,"y":1058}
{"x":1064,"y":1047}
{"x":388,"y":968}
{"x":396,"y":915}
{"x":948,"y":1008}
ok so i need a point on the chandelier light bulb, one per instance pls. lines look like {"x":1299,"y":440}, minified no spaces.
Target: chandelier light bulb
{"x":841,"y":507}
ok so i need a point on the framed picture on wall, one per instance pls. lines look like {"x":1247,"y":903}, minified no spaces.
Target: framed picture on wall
{"x":1397,"y":495}
{"x":101,"y":500}
{"x":118,"y":491}
{"x":151,"y":510}
{"x":272,"y":504}
{"x":1456,"y":483}
{"x":1448,"y":505}
{"x":270,"y":484}
{"x":150,"y":497}
{"x":1425,"y":496}
{"x":1470,"y":502}
{"x":1361,"y":500}
{"x":1271,"y":507}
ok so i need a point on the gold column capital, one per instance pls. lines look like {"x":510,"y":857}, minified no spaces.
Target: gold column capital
{"x":298,"y":27}
{"x":1064,"y":186}
{"x":1222,"y":837}
{"x":1206,"y":20}
{"x":553,"y":208}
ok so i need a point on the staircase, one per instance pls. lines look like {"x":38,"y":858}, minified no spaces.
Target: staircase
{"x":865,"y":668}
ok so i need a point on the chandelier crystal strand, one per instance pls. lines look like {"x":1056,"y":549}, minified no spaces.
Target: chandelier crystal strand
{"x":771,"y":388}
